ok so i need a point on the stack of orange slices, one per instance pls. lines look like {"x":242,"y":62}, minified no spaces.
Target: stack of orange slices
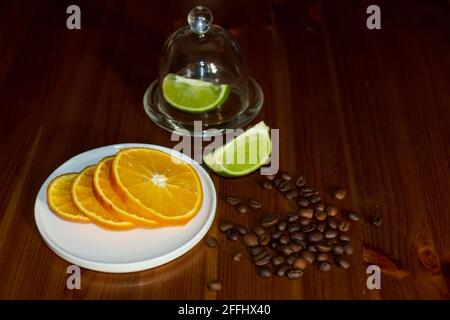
{"x":137,"y":187}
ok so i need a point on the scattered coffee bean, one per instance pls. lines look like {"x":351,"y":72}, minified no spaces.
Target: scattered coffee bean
{"x":232,"y":234}
{"x":259,"y":231}
{"x":331,"y":211}
{"x":325,"y":266}
{"x":353,"y":216}
{"x":291,"y":195}
{"x":319,"y":206}
{"x":278,"y":260}
{"x":290,"y":260}
{"x":315,"y":236}
{"x":214,"y":285}
{"x":285,"y":186}
{"x":339,"y":194}
{"x":332,"y":222}
{"x":294,"y":274}
{"x":342,"y":262}
{"x":233,"y":200}
{"x":266,"y":185}
{"x":324,"y":257}
{"x":300,"y":182}
{"x":308,"y":256}
{"x":269,"y":177}
{"x":237,"y":257}
{"x":348,"y":249}
{"x":250,"y":239}
{"x":262,"y":258}
{"x":300,"y":263}
{"x":303,"y":202}
{"x":304,"y":222}
{"x":331,"y":234}
{"x":265,"y":239}
{"x":224,"y":226}
{"x":211,"y":242}
{"x":281,"y":271}
{"x":293,"y":227}
{"x":264,"y":272}
{"x":310,"y":227}
{"x":255,"y":250}
{"x":308,"y":192}
{"x":241,"y":208}
{"x":320,"y":215}
{"x":307,"y":213}
{"x":277,"y":182}
{"x":255,"y":204}
{"x":282,"y":225}
{"x":338,"y":249}
{"x":323,"y":247}
{"x":241,"y":229}
{"x":285,"y":176}
{"x":269,"y":220}
{"x":314,"y":199}
{"x":298,"y":236}
{"x":377,"y":221}
{"x":344,"y":237}
{"x":291,"y":217}
{"x":344,"y":226}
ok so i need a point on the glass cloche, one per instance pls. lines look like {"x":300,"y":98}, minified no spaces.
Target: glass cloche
{"x":202,"y":77}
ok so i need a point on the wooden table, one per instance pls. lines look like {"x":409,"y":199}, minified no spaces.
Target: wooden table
{"x":365,"y":109}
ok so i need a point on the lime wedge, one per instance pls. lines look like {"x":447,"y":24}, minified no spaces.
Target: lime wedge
{"x":192,"y":95}
{"x":244,"y":154}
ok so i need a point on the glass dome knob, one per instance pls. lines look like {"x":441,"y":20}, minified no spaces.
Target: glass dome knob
{"x":200,"y":19}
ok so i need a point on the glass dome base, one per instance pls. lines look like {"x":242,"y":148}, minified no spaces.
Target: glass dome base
{"x":154,"y":106}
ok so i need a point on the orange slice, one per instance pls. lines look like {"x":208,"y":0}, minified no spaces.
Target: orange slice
{"x":60,"y":201}
{"x":84,"y":198}
{"x":160,"y":186}
{"x":104,"y":189}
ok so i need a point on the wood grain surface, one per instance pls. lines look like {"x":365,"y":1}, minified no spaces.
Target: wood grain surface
{"x":365,"y":109}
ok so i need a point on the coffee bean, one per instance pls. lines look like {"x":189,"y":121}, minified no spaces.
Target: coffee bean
{"x":285,"y":176}
{"x":255,"y":204}
{"x":214,"y":285}
{"x":303,"y":202}
{"x":269,"y":177}
{"x":320,"y":215}
{"x":332,"y":222}
{"x":342,"y":262}
{"x":237,"y":257}
{"x":255,"y":250}
{"x":311,"y":248}
{"x":233,"y":200}
{"x":297,"y":246}
{"x":290,"y":260}
{"x":308,"y":192}
{"x":344,"y":225}
{"x":232,"y":234}
{"x":299,"y":263}
{"x":304,"y":222}
{"x":308,"y":256}
{"x":291,"y":195}
{"x":353,"y":216}
{"x":282,"y":225}
{"x":211,"y":242}
{"x":333,"y":241}
{"x":314,"y":199}
{"x":344,"y":237}
{"x":323,"y":247}
{"x":266,"y":184}
{"x":293,"y":227}
{"x":319,"y":206}
{"x":338,"y":249}
{"x":241,"y":229}
{"x":224,"y":226}
{"x":276,"y":234}
{"x":310,"y":227}
{"x":259,"y":231}
{"x":294,"y":274}
{"x":325,"y":266}
{"x":264,"y":272}
{"x":281,"y":271}
{"x":250,"y":239}
{"x":321,"y":226}
{"x":278,"y":260}
{"x":285,"y":186}
{"x":331,"y":211}
{"x":241,"y":208}
{"x":348,"y":249}
{"x":307,"y":213}
{"x":269,"y":220}
{"x":273,"y":244}
{"x":291,"y":217}
{"x":331,"y":234}
{"x":265,"y":239}
{"x":262,"y":258}
{"x":339,"y":194}
{"x":284,"y":239}
{"x":324,"y":257}
{"x":298,"y":236}
{"x":300,"y":182}
{"x":377,"y":221}
{"x":315,"y":236}
{"x":285,"y":250}
{"x":277,"y":182}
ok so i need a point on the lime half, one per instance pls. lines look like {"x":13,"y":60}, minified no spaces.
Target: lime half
{"x":242,"y":155}
{"x":192,"y":95}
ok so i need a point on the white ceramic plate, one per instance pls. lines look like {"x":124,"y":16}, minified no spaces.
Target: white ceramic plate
{"x":95,"y":248}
